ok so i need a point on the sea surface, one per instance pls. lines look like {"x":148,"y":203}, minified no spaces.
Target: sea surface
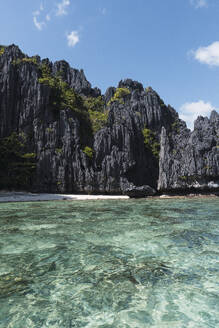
{"x":115,"y":263}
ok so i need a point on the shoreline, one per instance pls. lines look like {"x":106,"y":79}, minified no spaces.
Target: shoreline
{"x":185,"y":196}
{"x":22,"y":196}
{"x":16,"y":196}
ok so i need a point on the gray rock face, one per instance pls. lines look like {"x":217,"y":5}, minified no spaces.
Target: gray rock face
{"x":121,"y":162}
{"x":120,"y":157}
{"x":54,"y":136}
{"x":75,"y":79}
{"x":190,"y":160}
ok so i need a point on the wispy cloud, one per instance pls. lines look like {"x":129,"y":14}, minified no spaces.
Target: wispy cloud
{"x":190,"y":111}
{"x":207,"y":55}
{"x":73,"y":38}
{"x":62,"y":7}
{"x":199,"y":3}
{"x":48,"y":17}
{"x":39,"y":24}
{"x":60,"y":10}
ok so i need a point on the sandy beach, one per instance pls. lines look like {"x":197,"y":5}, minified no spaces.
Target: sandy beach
{"x":21,"y":196}
{"x":31,"y":197}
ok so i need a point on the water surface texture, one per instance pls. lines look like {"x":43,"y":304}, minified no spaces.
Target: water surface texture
{"x":130,"y":263}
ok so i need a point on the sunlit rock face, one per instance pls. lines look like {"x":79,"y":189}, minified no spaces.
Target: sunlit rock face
{"x":190,"y":160}
{"x":55,"y":136}
{"x":58,"y":135}
{"x":63,"y":145}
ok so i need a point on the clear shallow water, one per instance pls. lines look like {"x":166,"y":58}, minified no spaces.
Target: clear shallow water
{"x":134,"y":263}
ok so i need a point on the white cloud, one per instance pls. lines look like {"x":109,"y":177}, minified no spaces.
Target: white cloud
{"x":60,"y":10}
{"x":208,"y":55}
{"x":61,"y":7}
{"x":39,"y":25}
{"x":36,"y":13}
{"x":73,"y":38}
{"x":199,"y":3}
{"x":190,"y":111}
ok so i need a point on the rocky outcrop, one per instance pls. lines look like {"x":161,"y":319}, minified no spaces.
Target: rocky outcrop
{"x":75,"y":79}
{"x":190,"y":160}
{"x":121,"y":157}
{"x":139,"y":192}
{"x":58,"y":134}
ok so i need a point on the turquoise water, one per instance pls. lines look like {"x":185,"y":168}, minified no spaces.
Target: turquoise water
{"x":134,"y":263}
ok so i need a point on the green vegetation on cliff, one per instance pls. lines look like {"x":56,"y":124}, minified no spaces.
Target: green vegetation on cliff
{"x":98,"y":120}
{"x":19,"y":61}
{"x":119,"y":95}
{"x":2,"y":50}
{"x":98,"y":116}
{"x":62,"y":96}
{"x":94,"y":104}
{"x":88,"y":151}
{"x":17,"y":167}
{"x":175,"y":127}
{"x":150,"y":142}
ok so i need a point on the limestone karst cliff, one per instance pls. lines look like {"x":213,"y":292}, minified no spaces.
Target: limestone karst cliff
{"x":58,"y":134}
{"x":190,"y":160}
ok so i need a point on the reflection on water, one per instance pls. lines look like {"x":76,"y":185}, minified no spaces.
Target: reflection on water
{"x":130,"y":263}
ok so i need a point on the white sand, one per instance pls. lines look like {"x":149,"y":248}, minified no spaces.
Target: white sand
{"x":31,"y":197}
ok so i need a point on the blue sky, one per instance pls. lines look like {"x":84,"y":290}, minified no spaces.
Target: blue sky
{"x":171,"y":45}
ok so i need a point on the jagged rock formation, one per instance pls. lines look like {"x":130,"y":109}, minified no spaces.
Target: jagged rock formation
{"x":121,"y":157}
{"x":58,"y":134}
{"x":190,"y":160}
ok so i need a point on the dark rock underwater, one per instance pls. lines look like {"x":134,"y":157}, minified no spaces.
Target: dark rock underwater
{"x":58,"y":134}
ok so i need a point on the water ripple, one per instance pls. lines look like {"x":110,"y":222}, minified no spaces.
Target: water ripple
{"x":110,"y":264}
